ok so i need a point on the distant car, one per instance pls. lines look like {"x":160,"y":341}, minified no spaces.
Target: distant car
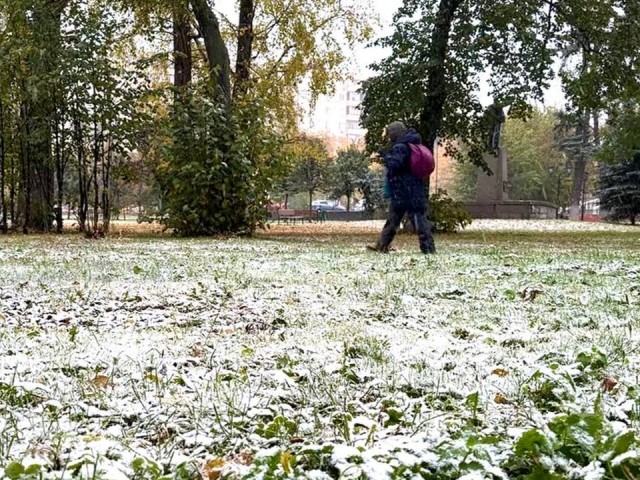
{"x":327,"y":206}
{"x":359,"y":206}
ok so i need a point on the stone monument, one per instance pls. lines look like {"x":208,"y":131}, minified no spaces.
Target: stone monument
{"x":491,"y":198}
{"x":493,"y":188}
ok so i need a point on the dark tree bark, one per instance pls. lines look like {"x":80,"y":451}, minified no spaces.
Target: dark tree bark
{"x":12,"y":191}
{"x":24,"y":201}
{"x":3,"y":202}
{"x":183,"y":66}
{"x":60,"y":153}
{"x":432,"y":113}
{"x":106,"y":189}
{"x":245,"y":48}
{"x":45,"y":25}
{"x":94,"y":175}
{"x":580,"y":165}
{"x":596,"y":127}
{"x":83,"y":190}
{"x":433,"y":110}
{"x":217,"y":53}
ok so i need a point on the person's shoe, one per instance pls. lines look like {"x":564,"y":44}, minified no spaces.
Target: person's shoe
{"x":429,"y":249}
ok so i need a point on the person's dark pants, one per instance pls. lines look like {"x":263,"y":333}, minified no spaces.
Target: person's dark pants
{"x":420,"y":222}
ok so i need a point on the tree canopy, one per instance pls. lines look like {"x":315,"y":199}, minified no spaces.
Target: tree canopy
{"x":86,"y":90}
{"x":619,"y":186}
{"x":441,"y":51}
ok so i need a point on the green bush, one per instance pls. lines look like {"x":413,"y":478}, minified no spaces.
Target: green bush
{"x":447,"y":215}
{"x":217,"y":166}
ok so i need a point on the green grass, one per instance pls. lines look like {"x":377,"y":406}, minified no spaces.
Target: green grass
{"x":152,"y":356}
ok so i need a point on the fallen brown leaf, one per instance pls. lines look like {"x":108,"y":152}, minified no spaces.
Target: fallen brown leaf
{"x":100,"y":381}
{"x":500,"y":399}
{"x":609,"y":383}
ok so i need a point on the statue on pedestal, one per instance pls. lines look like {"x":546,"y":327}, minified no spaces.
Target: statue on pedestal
{"x":494,"y":118}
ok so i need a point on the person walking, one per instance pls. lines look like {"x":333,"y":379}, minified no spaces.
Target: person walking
{"x":407,"y":191}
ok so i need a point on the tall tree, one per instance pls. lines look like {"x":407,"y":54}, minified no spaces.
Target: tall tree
{"x":441,"y":49}
{"x":620,"y":189}
{"x":439,"y":52}
{"x":575,"y":138}
{"x":3,"y":202}
{"x":276,"y":45}
{"x":245,"y":47}
{"x":348,"y":172}
{"x":537,"y":169}
{"x":619,"y":186}
{"x":44,"y":19}
{"x":312,"y":167}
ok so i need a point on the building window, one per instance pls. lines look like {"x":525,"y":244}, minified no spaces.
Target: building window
{"x":353,"y":125}
{"x":351,"y":110}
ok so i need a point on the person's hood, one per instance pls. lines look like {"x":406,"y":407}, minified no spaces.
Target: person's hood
{"x":411,"y":136}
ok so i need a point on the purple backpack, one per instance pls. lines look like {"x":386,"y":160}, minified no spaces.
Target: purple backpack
{"x":422,"y":162}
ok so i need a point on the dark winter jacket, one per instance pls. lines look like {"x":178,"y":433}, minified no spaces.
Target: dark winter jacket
{"x":407,"y":191}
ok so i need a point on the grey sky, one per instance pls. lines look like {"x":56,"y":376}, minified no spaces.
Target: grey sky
{"x":363,"y":56}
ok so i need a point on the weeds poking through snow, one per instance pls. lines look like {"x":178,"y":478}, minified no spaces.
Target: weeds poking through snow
{"x":505,"y":356}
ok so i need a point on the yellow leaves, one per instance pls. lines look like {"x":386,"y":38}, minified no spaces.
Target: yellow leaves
{"x":500,"y":372}
{"x":300,"y":39}
{"x":212,"y":469}
{"x":286,"y":460}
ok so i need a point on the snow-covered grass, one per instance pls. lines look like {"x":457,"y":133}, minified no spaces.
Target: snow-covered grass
{"x":298,"y":354}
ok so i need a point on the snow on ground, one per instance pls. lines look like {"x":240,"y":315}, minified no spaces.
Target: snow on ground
{"x":168,"y":358}
{"x":547,"y":226}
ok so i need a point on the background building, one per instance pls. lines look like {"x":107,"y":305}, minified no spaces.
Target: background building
{"x":334,"y":117}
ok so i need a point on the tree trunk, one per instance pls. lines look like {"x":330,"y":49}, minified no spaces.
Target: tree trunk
{"x":437,"y":92}
{"x":580,"y":166}
{"x":3,"y":203}
{"x":311,"y":201}
{"x":245,"y":48}
{"x":106,"y":188}
{"x":12,"y":191}
{"x":94,"y":175}
{"x":45,"y":24}
{"x":183,"y":62}
{"x":286,"y":201}
{"x":24,"y":201}
{"x":83,"y":193}
{"x":41,"y":173}
{"x":348,"y":203}
{"x":59,"y":146}
{"x":433,"y":110}
{"x":596,"y":127}
{"x":217,"y":53}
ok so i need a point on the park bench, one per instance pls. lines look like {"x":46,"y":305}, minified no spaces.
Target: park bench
{"x":293,"y":216}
